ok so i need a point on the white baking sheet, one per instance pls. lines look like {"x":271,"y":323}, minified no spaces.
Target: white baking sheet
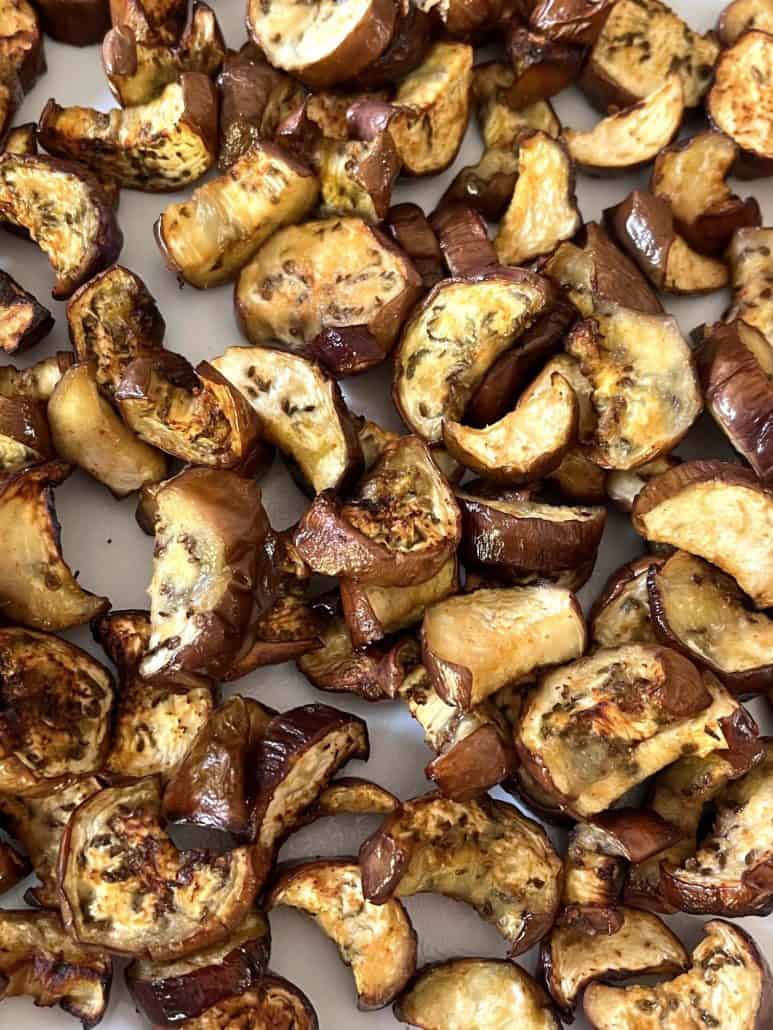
{"x":101,"y":539}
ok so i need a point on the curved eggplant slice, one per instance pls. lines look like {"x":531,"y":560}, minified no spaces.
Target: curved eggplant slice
{"x":542,"y":67}
{"x":570,"y":958}
{"x":163,"y":145}
{"x":296,"y":758}
{"x":24,"y":321}
{"x":408,"y":226}
{"x":500,"y":117}
{"x":741,"y":15}
{"x":483,"y":852}
{"x":454,"y":337}
{"x":465,"y":639}
{"x":398,"y":529}
{"x":634,"y":136}
{"x":24,"y":434}
{"x":749,"y":256}
{"x":622,"y":615}
{"x":378,"y":942}
{"x":21,"y":42}
{"x":37,"y":587}
{"x":125,"y":887}
{"x":209,"y":237}
{"x":75,"y":225}
{"x":687,"y":507}
{"x":351,"y":795}
{"x":729,"y":985}
{"x":624,"y":485}
{"x":181,"y":989}
{"x":270,"y":1003}
{"x":490,"y":994}
{"x":739,"y":101}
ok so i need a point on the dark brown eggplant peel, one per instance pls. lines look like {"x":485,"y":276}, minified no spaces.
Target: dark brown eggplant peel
{"x":181,"y":989}
{"x":487,"y":187}
{"x":378,"y":942}
{"x":75,"y":22}
{"x":501,"y":117}
{"x":399,"y":528}
{"x":24,"y":321}
{"x":75,"y":226}
{"x":633,"y":731}
{"x":623,"y":486}
{"x":488,"y":993}
{"x":408,"y":226}
{"x":37,"y":588}
{"x":125,"y":887}
{"x":575,"y":21}
{"x":269,"y":1002}
{"x":329,"y":110}
{"x":408,"y":47}
{"x":295,"y":759}
{"x":153,"y":21}
{"x":687,"y":507}
{"x":56,"y":704}
{"x":739,"y":103}
{"x":484,"y":853}
{"x":210,"y":532}
{"x":621,"y":613}
{"x":749,"y":256}
{"x":165,"y":144}
{"x":21,"y":42}
{"x":25,"y":438}
{"x":726,"y":964}
{"x":463,"y":237}
{"x":740,"y":15}
{"x":209,"y":237}
{"x":542,"y":66}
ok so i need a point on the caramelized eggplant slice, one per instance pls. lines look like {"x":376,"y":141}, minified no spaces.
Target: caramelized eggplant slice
{"x":726,"y":965}
{"x":488,"y":993}
{"x":749,"y":255}
{"x":500,"y":116}
{"x":378,"y":942}
{"x":484,"y":853}
{"x":625,"y":485}
{"x":465,"y":639}
{"x":412,"y":232}
{"x":687,"y":507}
{"x":75,"y":225}
{"x":573,"y":21}
{"x":23,"y":321}
{"x":739,"y":101}
{"x":622,"y":615}
{"x":269,"y":1002}
{"x":641,"y":44}
{"x":351,"y":795}
{"x":741,"y":15}
{"x":163,"y":145}
{"x":541,"y":66}
{"x":296,"y":758}
{"x":181,"y":989}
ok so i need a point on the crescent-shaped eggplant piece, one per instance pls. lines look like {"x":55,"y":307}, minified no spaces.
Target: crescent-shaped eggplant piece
{"x":24,"y":321}
{"x":739,"y":103}
{"x":411,"y":39}
{"x":351,"y":795}
{"x":270,"y":1002}
{"x":621,"y":613}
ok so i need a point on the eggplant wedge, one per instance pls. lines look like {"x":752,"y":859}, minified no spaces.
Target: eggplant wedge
{"x":268,"y":1002}
{"x":634,"y":709}
{"x":739,"y":102}
{"x":398,"y":529}
{"x":645,"y":387}
{"x":440,"y":362}
{"x":356,"y":176}
{"x":687,"y":507}
{"x":37,"y":587}
{"x":488,"y":993}
{"x":181,"y":989}
{"x":295,"y":760}
{"x":21,"y":42}
{"x":741,"y":15}
{"x":624,"y":485}
{"x":75,"y":22}
{"x":408,"y":226}
{"x":75,"y":226}
{"x":464,"y":639}
{"x":210,"y":532}
{"x":634,"y":136}
{"x":483,"y":853}
{"x":573,"y":21}
{"x":165,"y":144}
{"x":542,"y":67}
{"x":337,"y":275}
{"x":377,"y":941}
{"x":726,"y":964}
{"x":749,"y":256}
{"x":641,"y":44}
{"x":25,"y":438}
{"x":501,"y":118}
{"x":208,"y":238}
{"x":24,"y":321}
{"x":622,"y":614}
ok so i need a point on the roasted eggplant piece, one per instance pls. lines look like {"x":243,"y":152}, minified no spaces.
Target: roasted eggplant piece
{"x":687,"y":507}
{"x":336,"y":275}
{"x":208,"y":238}
{"x":37,"y":587}
{"x":741,"y":15}
{"x":75,"y":225}
{"x":21,"y":42}
{"x":463,"y":237}
{"x":351,"y":795}
{"x":622,"y":615}
{"x":268,"y":1002}
{"x":573,"y":21}
{"x":181,"y":989}
{"x":21,"y":140}
{"x":412,"y":232}
{"x":726,"y":964}
{"x":377,"y":941}
{"x":464,"y":639}
{"x":541,"y":66}
{"x":329,"y":110}
{"x":500,"y":117}
{"x":749,"y":256}
{"x":484,"y":853}
{"x":153,"y":21}
{"x":625,"y":485}
{"x":487,"y":186}
{"x":76,"y":22}
{"x":408,"y":47}
{"x":163,"y":145}
{"x":641,"y":44}
{"x":634,"y":136}
{"x":23,"y":322}
{"x":490,"y":994}
{"x":356,"y":176}
{"x":738,"y":103}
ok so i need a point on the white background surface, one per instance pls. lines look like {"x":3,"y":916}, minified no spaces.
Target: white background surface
{"x":102,"y":540}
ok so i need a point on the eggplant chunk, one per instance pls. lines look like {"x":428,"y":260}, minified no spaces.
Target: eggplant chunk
{"x":25,"y":438}
{"x":268,"y":1002}
{"x":74,"y":226}
{"x":183,"y":988}
{"x":296,"y":758}
{"x":208,"y":238}
{"x":210,"y":530}
{"x":35,"y":383}
{"x":21,"y":140}
{"x":377,"y":941}
{"x":125,"y":887}
{"x":625,"y":485}
{"x":487,"y":187}
{"x":749,"y":255}
{"x":687,"y":507}
{"x":463,"y":237}
{"x":645,"y":388}
{"x":153,"y":21}
{"x":21,"y":41}
{"x":465,"y":639}
{"x":489,"y":994}
{"x":301,"y":411}
{"x":337,"y":274}
{"x":633,"y":710}
{"x":484,"y":853}
{"x":622,"y":615}
{"x":500,"y":117}
{"x":408,"y":226}
{"x":440,"y":362}
{"x":37,"y":587}
{"x":123,"y":635}
{"x":741,"y":15}
{"x":542,"y":66}
{"x":739,"y":102}
{"x":23,"y":321}
{"x":641,"y":44}
{"x":356,"y":176}
{"x":728,"y":985}
{"x":163,"y":145}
